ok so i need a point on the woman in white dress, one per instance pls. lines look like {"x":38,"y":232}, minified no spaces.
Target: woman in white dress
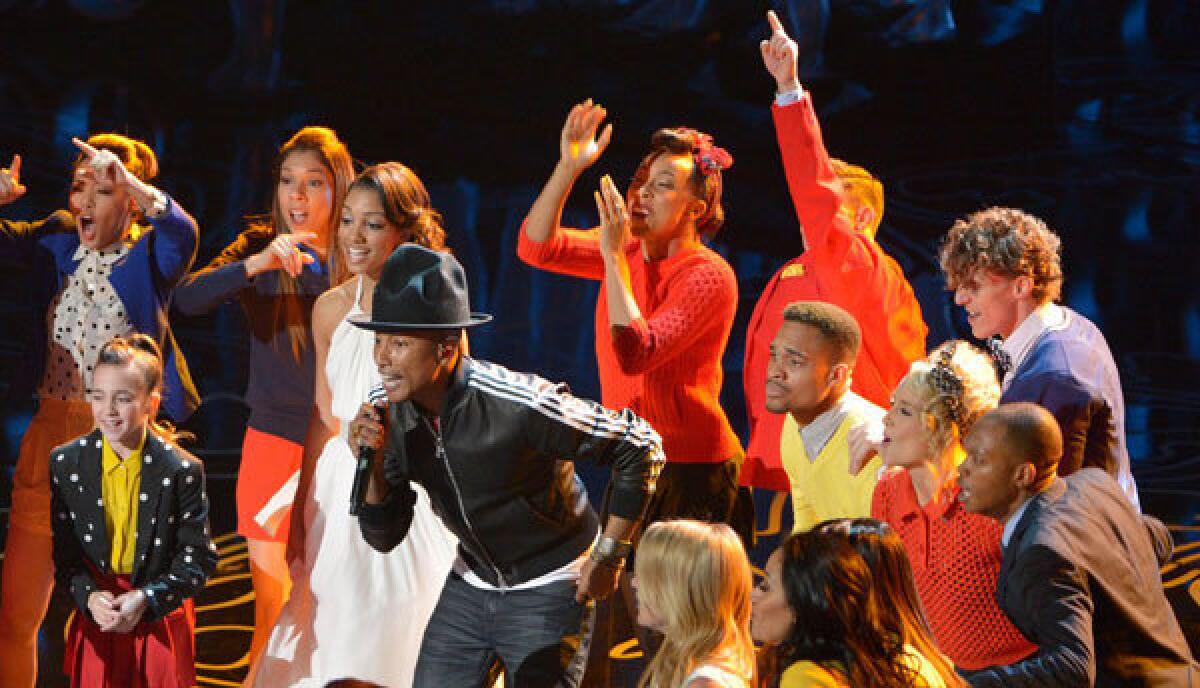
{"x":355,"y":612}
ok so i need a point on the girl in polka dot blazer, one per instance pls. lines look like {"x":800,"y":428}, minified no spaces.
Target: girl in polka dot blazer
{"x":130,"y":531}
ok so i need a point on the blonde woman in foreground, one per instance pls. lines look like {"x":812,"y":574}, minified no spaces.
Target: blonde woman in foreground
{"x":693,"y":585}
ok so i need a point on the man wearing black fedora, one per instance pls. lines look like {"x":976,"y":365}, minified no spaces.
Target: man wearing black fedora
{"x":495,"y":450}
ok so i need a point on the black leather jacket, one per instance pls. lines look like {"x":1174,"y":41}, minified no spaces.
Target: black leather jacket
{"x":498,"y":466}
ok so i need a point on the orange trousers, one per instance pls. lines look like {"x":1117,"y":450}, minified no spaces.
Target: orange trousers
{"x":28,"y":573}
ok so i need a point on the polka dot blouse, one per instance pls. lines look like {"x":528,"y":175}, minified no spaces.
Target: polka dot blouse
{"x":85,"y":315}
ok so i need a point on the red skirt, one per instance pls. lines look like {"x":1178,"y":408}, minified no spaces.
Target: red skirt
{"x":158,"y":654}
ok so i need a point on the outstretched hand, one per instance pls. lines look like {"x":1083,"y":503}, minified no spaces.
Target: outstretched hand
{"x":578,"y":145}
{"x":11,"y":187}
{"x":780,"y":54}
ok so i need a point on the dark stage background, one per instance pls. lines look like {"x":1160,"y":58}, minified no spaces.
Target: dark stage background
{"x":1081,"y":111}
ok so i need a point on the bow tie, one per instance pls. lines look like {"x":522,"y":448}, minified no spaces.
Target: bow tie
{"x":1000,"y":357}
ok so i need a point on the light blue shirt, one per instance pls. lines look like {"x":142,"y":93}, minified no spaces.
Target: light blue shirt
{"x":1011,"y":524}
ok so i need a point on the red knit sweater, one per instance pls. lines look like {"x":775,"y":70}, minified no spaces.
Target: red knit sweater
{"x":666,"y":366}
{"x":955,"y":559}
{"x":839,"y":265}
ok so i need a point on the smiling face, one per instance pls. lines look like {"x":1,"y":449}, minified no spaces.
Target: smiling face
{"x":663,"y":205}
{"x":907,"y":440}
{"x":366,"y":236}
{"x":121,"y":405}
{"x":771,"y":618}
{"x":103,"y":211}
{"x":989,"y":478}
{"x":802,"y":377}
{"x":993,"y":302}
{"x":305,"y":193}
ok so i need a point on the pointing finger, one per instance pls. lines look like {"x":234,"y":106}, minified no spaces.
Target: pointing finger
{"x":85,"y":147}
{"x":15,"y":168}
{"x":773,"y":20}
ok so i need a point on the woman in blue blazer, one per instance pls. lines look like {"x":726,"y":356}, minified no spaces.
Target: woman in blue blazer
{"x":105,"y":267}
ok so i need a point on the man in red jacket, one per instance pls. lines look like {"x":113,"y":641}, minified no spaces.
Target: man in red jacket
{"x":839,"y":207}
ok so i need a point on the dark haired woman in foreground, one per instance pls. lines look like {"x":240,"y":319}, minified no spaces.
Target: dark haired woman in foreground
{"x":839,"y":607}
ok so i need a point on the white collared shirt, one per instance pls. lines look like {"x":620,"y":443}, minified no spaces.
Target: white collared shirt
{"x":817,"y":434}
{"x":1048,"y":316}
{"x":1011,"y":524}
{"x":85,"y":315}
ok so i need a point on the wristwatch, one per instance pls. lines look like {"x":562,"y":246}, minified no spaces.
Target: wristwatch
{"x":611,"y":551}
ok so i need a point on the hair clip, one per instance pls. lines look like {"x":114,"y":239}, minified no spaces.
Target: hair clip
{"x":709,"y":157}
{"x":947,"y":383}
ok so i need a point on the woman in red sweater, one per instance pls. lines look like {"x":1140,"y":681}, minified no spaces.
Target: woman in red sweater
{"x":955,"y":555}
{"x":666,"y":305}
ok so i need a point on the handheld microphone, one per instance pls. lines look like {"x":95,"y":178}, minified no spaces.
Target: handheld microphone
{"x":366,"y":456}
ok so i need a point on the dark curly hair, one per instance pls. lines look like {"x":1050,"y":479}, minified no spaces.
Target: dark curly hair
{"x":1006,"y":241}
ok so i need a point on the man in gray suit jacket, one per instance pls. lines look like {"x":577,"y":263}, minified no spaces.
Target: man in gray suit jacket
{"x":1080,"y":575}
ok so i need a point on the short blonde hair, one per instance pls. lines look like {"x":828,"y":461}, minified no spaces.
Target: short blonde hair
{"x":861,"y":187}
{"x":957,"y":385}
{"x":1008,"y":242}
{"x":696,"y":575}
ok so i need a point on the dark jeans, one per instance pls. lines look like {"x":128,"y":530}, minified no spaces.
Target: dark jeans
{"x":540,"y":635}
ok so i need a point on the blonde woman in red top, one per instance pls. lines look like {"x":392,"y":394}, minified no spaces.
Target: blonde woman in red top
{"x":955,"y":554}
{"x":667,"y":302}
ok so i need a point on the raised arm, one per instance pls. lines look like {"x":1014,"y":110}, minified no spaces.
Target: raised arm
{"x":17,"y":238}
{"x":543,"y":243}
{"x":11,"y":187}
{"x":813,"y":183}
{"x":175,"y":233}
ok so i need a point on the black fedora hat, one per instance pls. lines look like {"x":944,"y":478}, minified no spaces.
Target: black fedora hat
{"x":421,"y":289}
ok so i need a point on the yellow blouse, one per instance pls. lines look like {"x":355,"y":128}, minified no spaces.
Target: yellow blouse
{"x":806,"y":674}
{"x":119,"y":485}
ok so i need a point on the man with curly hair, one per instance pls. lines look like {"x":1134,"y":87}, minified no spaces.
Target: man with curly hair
{"x":1004,"y":268}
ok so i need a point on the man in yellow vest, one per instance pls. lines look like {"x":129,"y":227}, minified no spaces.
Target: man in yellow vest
{"x":808,"y":378}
